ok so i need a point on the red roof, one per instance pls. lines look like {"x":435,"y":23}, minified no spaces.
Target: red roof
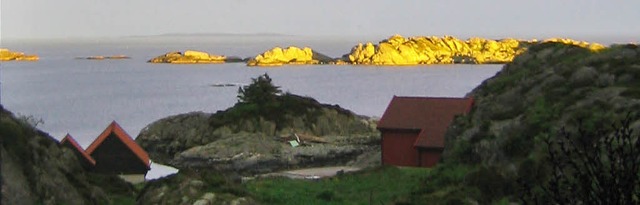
{"x":428,"y":115}
{"x":69,"y":140}
{"x":124,"y":137}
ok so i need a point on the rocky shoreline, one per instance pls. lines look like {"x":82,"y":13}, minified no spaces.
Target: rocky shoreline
{"x":394,"y":51}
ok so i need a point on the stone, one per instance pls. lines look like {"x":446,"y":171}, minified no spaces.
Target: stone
{"x":397,"y":50}
{"x":190,"y":57}
{"x":202,"y":202}
{"x":8,"y":55}
{"x":281,"y":56}
{"x":209,"y":196}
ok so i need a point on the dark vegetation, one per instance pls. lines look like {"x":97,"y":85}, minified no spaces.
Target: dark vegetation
{"x":39,"y":171}
{"x":188,"y":185}
{"x":381,"y":185}
{"x":550,"y":88}
{"x":263,"y":100}
{"x":589,"y":167}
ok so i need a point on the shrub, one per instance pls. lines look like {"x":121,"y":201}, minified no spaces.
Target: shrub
{"x":590,"y":167}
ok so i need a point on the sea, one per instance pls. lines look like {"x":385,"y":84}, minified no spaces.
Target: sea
{"x":82,"y":97}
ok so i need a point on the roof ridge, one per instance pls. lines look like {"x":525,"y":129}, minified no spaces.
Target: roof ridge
{"x":427,"y":97}
{"x":121,"y":134}
{"x":74,"y":143}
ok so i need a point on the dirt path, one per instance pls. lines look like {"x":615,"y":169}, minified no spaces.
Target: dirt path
{"x":313,"y":173}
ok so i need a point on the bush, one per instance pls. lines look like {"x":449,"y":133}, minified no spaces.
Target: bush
{"x":590,"y":167}
{"x":261,"y":91}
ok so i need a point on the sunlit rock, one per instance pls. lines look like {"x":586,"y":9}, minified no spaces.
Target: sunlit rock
{"x":114,"y":57}
{"x":398,"y":50}
{"x":7,"y":55}
{"x":189,"y":57}
{"x":584,"y":44}
{"x":292,"y":55}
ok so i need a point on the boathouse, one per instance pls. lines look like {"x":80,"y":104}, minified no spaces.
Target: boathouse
{"x":86,"y":161}
{"x":115,"y":152}
{"x":413,"y":129}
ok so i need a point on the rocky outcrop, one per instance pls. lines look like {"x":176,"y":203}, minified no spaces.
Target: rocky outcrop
{"x":7,"y":55}
{"x":289,"y":56}
{"x":548,"y":87}
{"x":254,"y":144}
{"x":34,"y":169}
{"x":398,"y":50}
{"x":197,"y":187}
{"x":584,"y":44}
{"x":192,"y":57}
{"x":114,"y":57}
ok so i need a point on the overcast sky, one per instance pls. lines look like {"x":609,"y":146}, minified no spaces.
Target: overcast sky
{"x":463,"y":18}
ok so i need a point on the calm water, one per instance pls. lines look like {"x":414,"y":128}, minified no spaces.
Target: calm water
{"x":82,"y":97}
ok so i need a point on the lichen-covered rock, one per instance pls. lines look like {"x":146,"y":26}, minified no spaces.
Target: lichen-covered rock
{"x":291,"y":55}
{"x":189,"y":57}
{"x":244,"y":143}
{"x":34,"y":169}
{"x":398,"y":50}
{"x":8,"y":55}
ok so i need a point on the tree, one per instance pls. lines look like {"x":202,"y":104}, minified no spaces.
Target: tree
{"x":599,"y":167}
{"x":261,"y":91}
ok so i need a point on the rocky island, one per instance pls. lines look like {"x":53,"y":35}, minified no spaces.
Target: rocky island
{"x":292,"y":55}
{"x":193,"y":57}
{"x":114,"y":57}
{"x":8,"y":55}
{"x":266,"y":131}
{"x":398,"y":50}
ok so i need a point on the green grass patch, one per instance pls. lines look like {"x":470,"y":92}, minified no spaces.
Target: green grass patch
{"x":377,"y":186}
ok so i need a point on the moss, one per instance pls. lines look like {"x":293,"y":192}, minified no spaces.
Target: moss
{"x":491,"y":183}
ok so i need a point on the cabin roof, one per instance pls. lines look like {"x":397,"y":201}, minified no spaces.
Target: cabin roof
{"x":68,"y":139}
{"x":431,"y":116}
{"x":126,"y":140}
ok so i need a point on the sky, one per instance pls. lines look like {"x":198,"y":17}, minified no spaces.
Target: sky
{"x":42,"y":19}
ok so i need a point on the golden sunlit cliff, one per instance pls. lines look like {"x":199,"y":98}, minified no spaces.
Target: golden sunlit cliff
{"x":398,"y":50}
{"x":292,"y":55}
{"x":188,"y":57}
{"x":7,"y":55}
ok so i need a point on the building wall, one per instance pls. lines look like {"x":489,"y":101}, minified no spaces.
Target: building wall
{"x":429,"y":157}
{"x":397,"y":148}
{"x":113,"y":157}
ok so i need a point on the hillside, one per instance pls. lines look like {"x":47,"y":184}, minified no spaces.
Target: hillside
{"x":549,"y":87}
{"x":35,"y":170}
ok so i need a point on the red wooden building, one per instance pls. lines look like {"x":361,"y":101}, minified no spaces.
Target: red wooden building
{"x":413,"y":129}
{"x":115,"y":152}
{"x":86,"y":161}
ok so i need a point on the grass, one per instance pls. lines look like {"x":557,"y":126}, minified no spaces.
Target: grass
{"x":377,"y":186}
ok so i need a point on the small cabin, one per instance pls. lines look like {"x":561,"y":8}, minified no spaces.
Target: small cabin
{"x":86,"y":161}
{"x":115,"y":152}
{"x":413,"y":129}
